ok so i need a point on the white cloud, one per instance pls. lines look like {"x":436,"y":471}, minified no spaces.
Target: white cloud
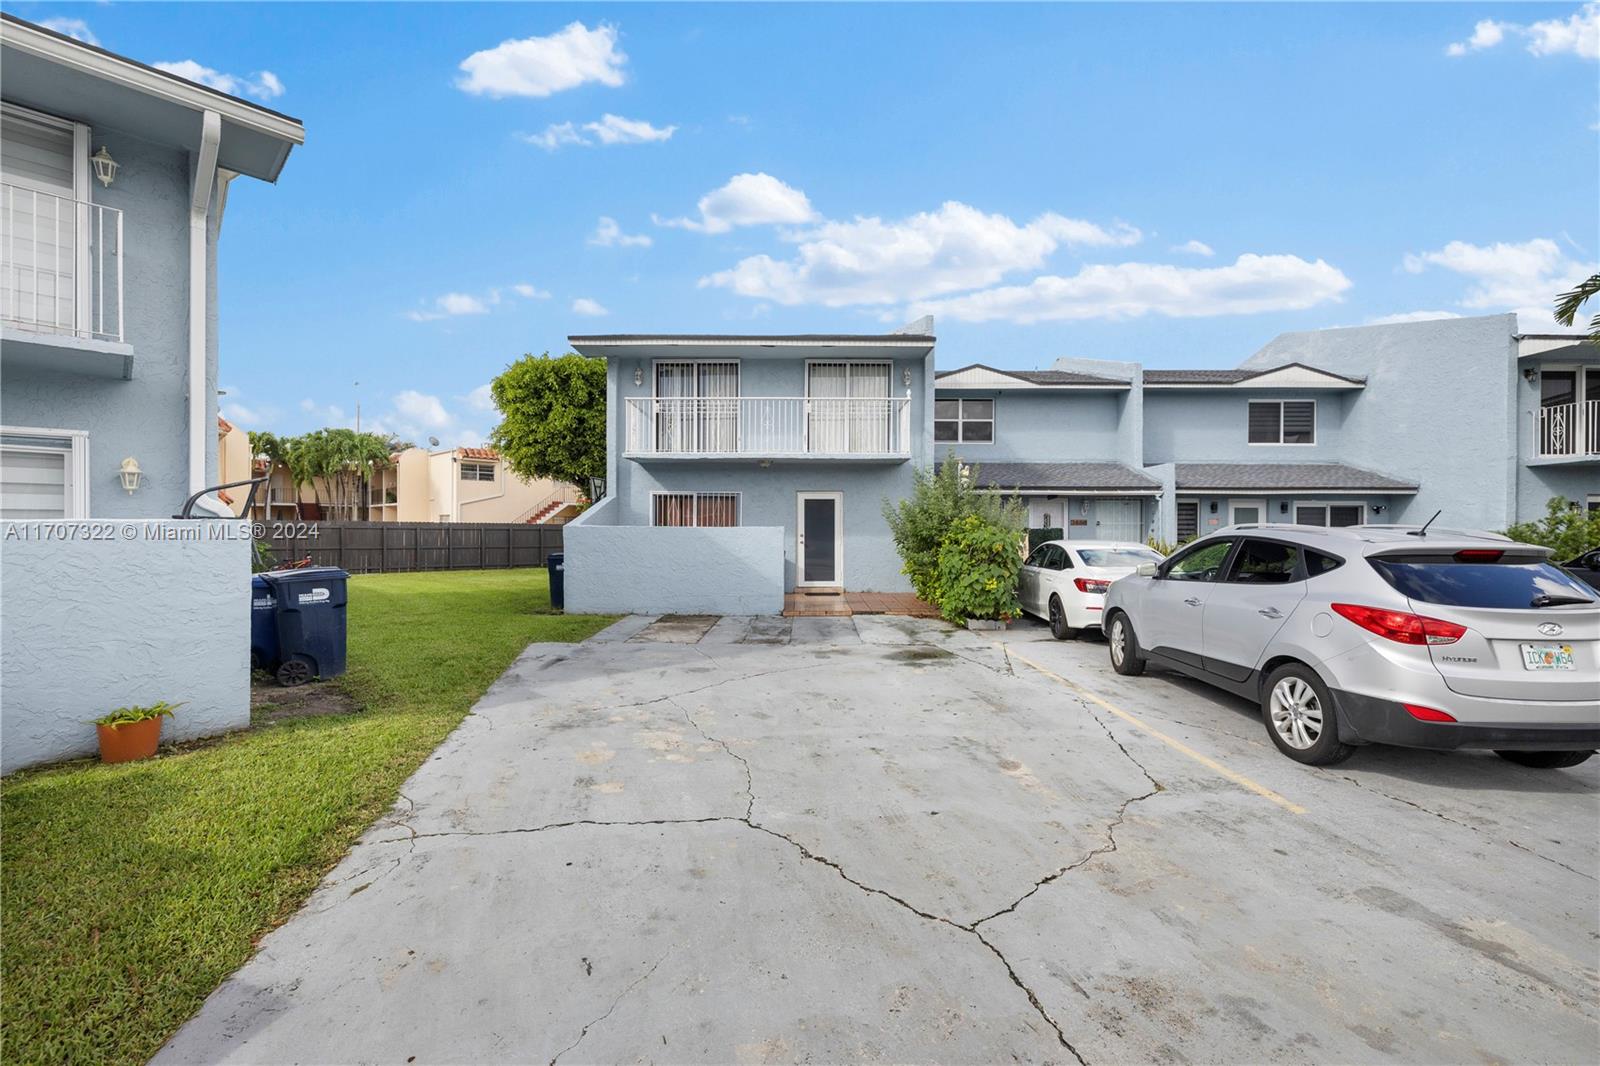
{"x":481,"y":399}
{"x":248,"y":418}
{"x":1250,"y":285}
{"x":1409,"y":316}
{"x":609,"y":235}
{"x":421,"y":409}
{"x":747,"y":200}
{"x":530,"y":292}
{"x":585,"y":306}
{"x":263,"y":84}
{"x":869,"y":261}
{"x":1200,"y":248}
{"x":539,"y":66}
{"x":1524,"y":277}
{"x":614,"y":129}
{"x":77,"y":29}
{"x":554,"y":136}
{"x":610,"y":129}
{"x":1578,"y":34}
{"x":328,"y":414}
{"x":455,"y":304}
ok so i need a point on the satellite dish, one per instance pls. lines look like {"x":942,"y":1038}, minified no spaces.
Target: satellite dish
{"x":433,"y":442}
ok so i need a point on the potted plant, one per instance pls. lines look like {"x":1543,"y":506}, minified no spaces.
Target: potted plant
{"x":129,"y":733}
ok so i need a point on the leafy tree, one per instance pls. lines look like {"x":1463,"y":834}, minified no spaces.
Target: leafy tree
{"x":1567,"y":530}
{"x":938,"y":500}
{"x":979,"y":562}
{"x":1568,"y":303}
{"x":553,"y":417}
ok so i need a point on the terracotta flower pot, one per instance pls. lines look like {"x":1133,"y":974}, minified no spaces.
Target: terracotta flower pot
{"x":125,"y":743}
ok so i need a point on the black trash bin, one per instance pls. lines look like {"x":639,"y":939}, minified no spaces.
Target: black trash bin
{"x":263,"y":624}
{"x":311,"y":622}
{"x":556,"y":567}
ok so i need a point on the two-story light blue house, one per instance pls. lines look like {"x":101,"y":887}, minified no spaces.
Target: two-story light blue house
{"x":744,"y":467}
{"x":113,"y":179}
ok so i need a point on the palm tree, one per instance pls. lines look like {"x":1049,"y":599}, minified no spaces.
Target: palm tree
{"x":1567,"y":305}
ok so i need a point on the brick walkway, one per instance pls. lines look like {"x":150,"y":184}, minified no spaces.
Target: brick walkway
{"x":802,"y":605}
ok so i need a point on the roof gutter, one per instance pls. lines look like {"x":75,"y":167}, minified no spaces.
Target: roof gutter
{"x":204,"y":180}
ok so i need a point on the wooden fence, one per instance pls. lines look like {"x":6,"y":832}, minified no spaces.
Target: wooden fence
{"x":390,"y":547}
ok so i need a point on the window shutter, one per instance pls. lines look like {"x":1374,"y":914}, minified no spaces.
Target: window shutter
{"x":1345,"y":515}
{"x":1265,"y":422}
{"x":33,"y":484}
{"x":1299,"y":422}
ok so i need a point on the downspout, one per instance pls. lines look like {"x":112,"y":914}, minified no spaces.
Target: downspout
{"x":205,"y":173}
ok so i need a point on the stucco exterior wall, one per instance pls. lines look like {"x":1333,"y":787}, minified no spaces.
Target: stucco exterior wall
{"x":619,"y":569}
{"x":1198,"y":425}
{"x":769,"y":494}
{"x":88,"y":625}
{"x":1044,"y":427}
{"x":1439,"y":409}
{"x":146,"y":417}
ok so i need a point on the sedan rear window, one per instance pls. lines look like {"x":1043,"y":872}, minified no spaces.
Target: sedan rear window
{"x":1511,"y":583}
{"x":1128,"y":557}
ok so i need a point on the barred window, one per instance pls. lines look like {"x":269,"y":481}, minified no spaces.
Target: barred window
{"x":710,"y":509}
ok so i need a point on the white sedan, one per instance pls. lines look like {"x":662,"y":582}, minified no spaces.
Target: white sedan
{"x":1064,"y":582}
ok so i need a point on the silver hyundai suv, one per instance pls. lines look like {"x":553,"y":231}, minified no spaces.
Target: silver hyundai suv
{"x":1376,"y":634}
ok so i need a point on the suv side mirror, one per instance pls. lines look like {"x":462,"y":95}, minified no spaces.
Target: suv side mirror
{"x":1148,"y":570}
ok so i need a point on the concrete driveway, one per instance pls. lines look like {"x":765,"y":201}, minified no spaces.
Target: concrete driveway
{"x":839,"y":839}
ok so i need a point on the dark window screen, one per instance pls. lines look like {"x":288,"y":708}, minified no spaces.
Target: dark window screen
{"x":819,"y":560}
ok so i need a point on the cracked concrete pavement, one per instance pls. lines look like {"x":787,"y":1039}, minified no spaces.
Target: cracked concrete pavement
{"x":836,"y":839}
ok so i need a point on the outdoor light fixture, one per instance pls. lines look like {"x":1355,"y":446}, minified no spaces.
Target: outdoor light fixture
{"x":1283,"y":507}
{"x":905,"y":376}
{"x":130,"y":474}
{"x":105,"y":168}
{"x":1377,"y":508}
{"x":638,"y":376}
{"x":1213,"y":506}
{"x":1530,"y":374}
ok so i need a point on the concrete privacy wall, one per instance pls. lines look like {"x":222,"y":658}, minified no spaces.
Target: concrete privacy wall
{"x":621,"y":569}
{"x":88,"y":625}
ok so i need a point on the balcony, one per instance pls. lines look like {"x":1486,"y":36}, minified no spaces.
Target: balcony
{"x":61,"y":283}
{"x":769,"y":427}
{"x":1569,"y":430}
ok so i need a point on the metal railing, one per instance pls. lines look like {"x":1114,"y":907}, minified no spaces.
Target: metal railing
{"x":60,"y":264}
{"x":1569,"y":428}
{"x":769,"y":426}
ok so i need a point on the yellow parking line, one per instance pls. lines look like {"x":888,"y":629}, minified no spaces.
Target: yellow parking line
{"x":1177,"y":745}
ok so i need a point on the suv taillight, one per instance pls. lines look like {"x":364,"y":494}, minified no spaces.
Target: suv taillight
{"x":1090,"y":584}
{"x":1401,"y":627}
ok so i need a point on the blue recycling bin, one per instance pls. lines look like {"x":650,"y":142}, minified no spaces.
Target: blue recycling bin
{"x":263,"y":624}
{"x":556,"y":566}
{"x":310,"y":613}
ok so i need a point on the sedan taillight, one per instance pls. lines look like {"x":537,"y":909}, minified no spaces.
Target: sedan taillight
{"x":1091,"y":584}
{"x":1401,"y":626}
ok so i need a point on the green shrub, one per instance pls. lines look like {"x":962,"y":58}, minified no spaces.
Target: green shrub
{"x":979,"y":560}
{"x":1037,"y":537}
{"x":130,"y":715}
{"x":920,"y":523}
{"x":1565,"y":529}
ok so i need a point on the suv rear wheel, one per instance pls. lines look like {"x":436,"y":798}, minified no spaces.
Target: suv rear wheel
{"x":1299,"y":716}
{"x":1125,"y":657}
{"x":1545,"y":760}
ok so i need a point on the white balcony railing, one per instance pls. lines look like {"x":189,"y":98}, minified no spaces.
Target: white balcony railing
{"x":60,"y":264}
{"x":1569,"y":429}
{"x":769,"y":426}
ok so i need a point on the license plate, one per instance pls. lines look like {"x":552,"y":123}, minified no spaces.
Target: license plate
{"x":1547,"y":657}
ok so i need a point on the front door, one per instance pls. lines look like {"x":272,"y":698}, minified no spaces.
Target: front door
{"x":819,"y":545}
{"x":1118,"y":520}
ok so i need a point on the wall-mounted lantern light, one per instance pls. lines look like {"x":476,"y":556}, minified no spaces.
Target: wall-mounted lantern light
{"x":1377,"y":508}
{"x":1530,"y":374}
{"x":1213,"y":506}
{"x":130,"y":474}
{"x":905,"y":376}
{"x":638,"y":376}
{"x":1283,"y":507}
{"x":105,"y":168}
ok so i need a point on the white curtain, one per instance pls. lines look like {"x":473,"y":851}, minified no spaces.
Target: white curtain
{"x":869,"y":413}
{"x":718,"y":407}
{"x":674,"y":396}
{"x":827,"y":389}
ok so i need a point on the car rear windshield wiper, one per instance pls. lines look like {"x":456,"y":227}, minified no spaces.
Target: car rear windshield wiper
{"x":1544,"y":599}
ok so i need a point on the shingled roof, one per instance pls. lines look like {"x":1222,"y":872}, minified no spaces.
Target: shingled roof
{"x":1293,"y":477}
{"x":1065,"y":477}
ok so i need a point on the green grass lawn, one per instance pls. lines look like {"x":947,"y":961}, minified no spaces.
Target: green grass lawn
{"x":130,"y":892}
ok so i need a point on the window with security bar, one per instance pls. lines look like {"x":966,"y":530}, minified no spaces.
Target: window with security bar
{"x":705,"y":509}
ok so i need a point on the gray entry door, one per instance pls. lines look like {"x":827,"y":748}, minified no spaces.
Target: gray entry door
{"x":819,"y":554}
{"x":1118,"y":520}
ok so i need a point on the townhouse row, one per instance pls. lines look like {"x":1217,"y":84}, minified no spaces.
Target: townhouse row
{"x":744,"y":468}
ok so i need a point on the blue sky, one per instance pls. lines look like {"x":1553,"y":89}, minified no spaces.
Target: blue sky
{"x":1174,"y":184}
